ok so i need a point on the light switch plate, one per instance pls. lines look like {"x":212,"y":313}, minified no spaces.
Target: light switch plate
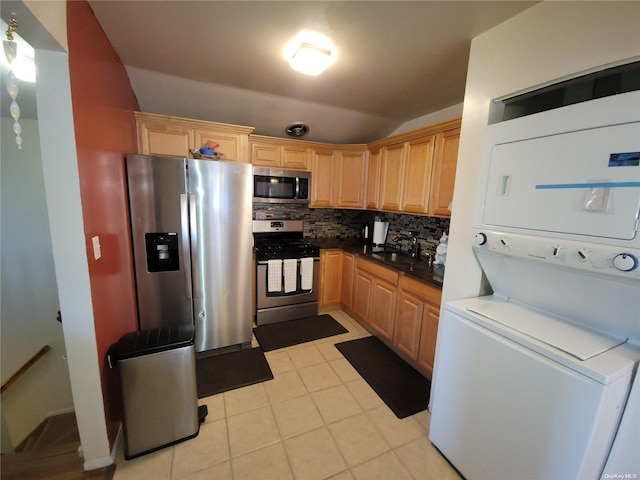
{"x":96,"y":247}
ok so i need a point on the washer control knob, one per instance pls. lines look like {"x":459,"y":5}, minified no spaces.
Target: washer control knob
{"x":479,"y":239}
{"x":625,"y":262}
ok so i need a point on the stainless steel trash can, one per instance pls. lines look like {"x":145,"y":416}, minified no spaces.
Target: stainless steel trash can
{"x":158,"y":381}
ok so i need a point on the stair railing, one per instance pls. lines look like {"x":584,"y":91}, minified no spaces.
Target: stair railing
{"x":29,"y":363}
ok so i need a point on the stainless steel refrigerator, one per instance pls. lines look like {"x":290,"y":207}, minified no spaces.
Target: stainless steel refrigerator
{"x":192,"y":246}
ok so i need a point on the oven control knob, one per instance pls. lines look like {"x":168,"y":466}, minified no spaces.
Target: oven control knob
{"x":479,"y":239}
{"x":625,"y":262}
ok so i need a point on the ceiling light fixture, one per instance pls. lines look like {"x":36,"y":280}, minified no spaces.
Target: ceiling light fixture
{"x":310,"y":52}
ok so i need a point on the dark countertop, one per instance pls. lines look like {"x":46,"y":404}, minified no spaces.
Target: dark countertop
{"x":418,"y":269}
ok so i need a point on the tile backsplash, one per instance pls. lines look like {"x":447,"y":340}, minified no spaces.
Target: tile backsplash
{"x":345,"y":224}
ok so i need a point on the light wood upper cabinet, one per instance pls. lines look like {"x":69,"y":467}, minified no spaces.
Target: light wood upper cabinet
{"x":391,"y":177}
{"x":158,"y":137}
{"x":296,"y":157}
{"x":337,"y":178}
{"x":416,"y":170}
{"x":417,"y":175}
{"x":265,"y":154}
{"x":373,"y":179}
{"x":444,"y":172}
{"x":322,"y":179}
{"x":413,"y":172}
{"x":277,"y":153}
{"x":350,"y":169}
{"x":233,"y":147}
{"x":166,"y":135}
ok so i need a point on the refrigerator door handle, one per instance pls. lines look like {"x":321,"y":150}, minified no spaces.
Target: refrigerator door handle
{"x":195,"y":254}
{"x":186,"y":255}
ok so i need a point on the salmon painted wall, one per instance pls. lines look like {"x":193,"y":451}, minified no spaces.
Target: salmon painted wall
{"x":103,"y":104}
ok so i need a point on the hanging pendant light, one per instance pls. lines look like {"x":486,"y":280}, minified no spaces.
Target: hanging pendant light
{"x":11,"y":52}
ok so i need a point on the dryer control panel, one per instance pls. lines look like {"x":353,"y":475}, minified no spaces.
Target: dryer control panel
{"x":595,"y":258}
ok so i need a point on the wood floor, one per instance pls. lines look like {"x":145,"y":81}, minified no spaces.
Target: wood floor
{"x":51,"y":452}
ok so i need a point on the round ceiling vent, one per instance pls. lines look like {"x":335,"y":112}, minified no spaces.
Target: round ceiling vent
{"x":297,"y":129}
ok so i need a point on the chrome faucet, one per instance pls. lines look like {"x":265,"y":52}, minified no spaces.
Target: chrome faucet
{"x":415,"y":247}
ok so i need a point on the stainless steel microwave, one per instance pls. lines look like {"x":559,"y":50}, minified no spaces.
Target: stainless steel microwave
{"x":274,"y":185}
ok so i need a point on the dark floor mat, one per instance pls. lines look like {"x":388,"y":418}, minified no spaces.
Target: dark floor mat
{"x":227,"y":371}
{"x":399,"y":385}
{"x":284,"y":334}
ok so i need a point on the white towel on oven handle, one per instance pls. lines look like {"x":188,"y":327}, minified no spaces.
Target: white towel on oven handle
{"x":274,"y":275}
{"x":290,"y":275}
{"x":306,"y":273}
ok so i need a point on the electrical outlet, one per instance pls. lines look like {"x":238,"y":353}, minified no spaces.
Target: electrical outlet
{"x":97,"y":253}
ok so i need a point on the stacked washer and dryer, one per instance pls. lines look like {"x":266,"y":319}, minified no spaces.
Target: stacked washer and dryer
{"x":538,"y":380}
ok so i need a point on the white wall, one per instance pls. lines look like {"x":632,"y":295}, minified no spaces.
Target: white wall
{"x":449,"y":113}
{"x":549,"y":42}
{"x":62,"y":183}
{"x":29,"y":296}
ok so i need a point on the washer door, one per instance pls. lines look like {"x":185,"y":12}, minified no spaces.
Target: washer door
{"x":500,"y":410}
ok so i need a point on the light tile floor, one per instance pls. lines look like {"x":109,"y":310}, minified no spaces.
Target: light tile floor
{"x":316,"y":419}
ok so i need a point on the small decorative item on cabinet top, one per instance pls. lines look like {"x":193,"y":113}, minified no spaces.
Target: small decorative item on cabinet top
{"x":208,"y":152}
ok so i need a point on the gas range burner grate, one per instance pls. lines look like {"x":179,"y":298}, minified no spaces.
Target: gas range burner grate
{"x":281,"y":239}
{"x":282,"y":248}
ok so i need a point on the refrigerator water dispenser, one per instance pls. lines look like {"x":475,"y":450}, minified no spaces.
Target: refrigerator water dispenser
{"x":162,"y":252}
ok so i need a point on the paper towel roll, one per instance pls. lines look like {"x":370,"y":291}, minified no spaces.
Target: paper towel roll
{"x":380,"y":232}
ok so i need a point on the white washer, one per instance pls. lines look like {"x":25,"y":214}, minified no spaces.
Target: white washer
{"x":512,"y":403}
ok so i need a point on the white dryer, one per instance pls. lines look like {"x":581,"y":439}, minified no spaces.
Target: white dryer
{"x":532,"y":382}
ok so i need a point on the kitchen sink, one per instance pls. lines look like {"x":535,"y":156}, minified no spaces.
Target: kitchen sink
{"x":391,"y":256}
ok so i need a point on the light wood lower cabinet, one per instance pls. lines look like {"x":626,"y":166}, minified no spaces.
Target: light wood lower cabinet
{"x":348,"y":267}
{"x":406,"y":335}
{"x":428,"y":335}
{"x":416,"y":328}
{"x":362,"y":284}
{"x":330,"y":292}
{"x":374,"y":296}
{"x":383,"y":302}
{"x":399,"y":309}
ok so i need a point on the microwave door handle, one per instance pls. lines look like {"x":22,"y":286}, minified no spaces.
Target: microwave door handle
{"x":186,"y":255}
{"x":297,"y":194}
{"x":195,"y":253}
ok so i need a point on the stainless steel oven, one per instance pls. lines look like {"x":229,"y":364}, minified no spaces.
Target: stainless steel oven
{"x":287,"y":272}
